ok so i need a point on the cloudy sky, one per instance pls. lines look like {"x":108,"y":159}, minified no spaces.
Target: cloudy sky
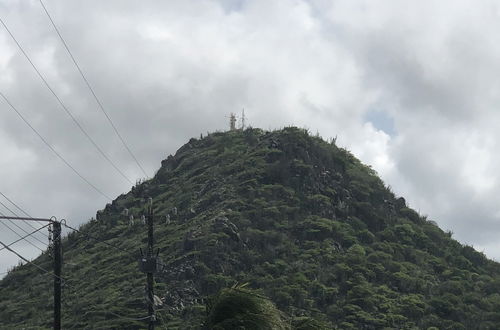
{"x":412,"y":88}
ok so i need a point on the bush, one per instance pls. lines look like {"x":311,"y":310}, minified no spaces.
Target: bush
{"x":240,"y":308}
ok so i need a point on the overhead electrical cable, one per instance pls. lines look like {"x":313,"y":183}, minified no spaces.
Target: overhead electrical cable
{"x":97,"y":239}
{"x":15,"y":232}
{"x":15,"y":214}
{"x":132,"y":253}
{"x":99,"y":103}
{"x":75,"y":121}
{"x":21,"y":228}
{"x":109,"y":244}
{"x":106,"y":243}
{"x":30,"y":262}
{"x":24,"y":237}
{"x":54,"y":150}
{"x":17,"y":206}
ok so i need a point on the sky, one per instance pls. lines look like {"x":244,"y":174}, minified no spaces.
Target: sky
{"x":411,"y":88}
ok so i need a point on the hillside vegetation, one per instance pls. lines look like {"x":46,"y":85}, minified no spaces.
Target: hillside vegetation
{"x":300,"y":220}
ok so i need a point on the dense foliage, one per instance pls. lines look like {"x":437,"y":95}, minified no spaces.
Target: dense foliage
{"x":298,"y":218}
{"x":240,"y":308}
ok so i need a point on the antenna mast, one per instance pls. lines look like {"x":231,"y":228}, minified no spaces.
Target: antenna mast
{"x":243,"y":119}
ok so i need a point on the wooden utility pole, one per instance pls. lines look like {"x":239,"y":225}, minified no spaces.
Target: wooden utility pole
{"x":149,"y":264}
{"x":56,"y":229}
{"x":150,"y":280}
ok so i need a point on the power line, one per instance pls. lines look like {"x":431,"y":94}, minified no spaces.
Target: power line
{"x":51,"y":148}
{"x":106,"y":243}
{"x":32,"y":263}
{"x":7,"y":208}
{"x":101,"y":107}
{"x":97,"y":239}
{"x":163,"y":265}
{"x":77,"y":123}
{"x":33,"y":227}
{"x":24,"y":212}
{"x":15,"y":232}
{"x":15,"y":214}
{"x":24,"y":237}
{"x":23,"y":258}
{"x":19,"y":208}
{"x":19,"y":227}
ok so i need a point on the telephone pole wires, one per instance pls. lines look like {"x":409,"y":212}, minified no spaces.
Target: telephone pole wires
{"x":56,"y":230}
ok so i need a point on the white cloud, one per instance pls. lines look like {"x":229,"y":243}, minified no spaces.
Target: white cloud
{"x":167,"y":71}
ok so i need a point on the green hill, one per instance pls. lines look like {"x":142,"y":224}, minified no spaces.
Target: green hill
{"x":299,"y":219}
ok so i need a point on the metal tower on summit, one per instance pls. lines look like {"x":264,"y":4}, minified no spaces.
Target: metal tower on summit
{"x":232,"y":122}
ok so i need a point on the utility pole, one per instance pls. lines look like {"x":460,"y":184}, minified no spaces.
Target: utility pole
{"x":150,"y":281}
{"x":149,"y":264}
{"x":56,"y":228}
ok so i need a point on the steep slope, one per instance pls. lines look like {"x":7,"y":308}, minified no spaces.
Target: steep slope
{"x":294,"y":216}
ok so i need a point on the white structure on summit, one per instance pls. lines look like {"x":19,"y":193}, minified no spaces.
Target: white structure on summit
{"x":243,"y":119}
{"x":232,"y":122}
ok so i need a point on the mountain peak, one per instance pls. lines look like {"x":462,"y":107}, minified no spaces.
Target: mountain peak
{"x":296,"y":217}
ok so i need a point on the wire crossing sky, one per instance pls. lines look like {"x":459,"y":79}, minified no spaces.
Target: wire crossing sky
{"x":92,"y":90}
{"x":24,"y":237}
{"x":53,"y":150}
{"x":21,"y":236}
{"x":63,"y":106}
{"x":410,"y":88}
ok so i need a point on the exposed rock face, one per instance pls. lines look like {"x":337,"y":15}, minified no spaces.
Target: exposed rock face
{"x":222,"y":224}
{"x":294,"y":216}
{"x":400,"y":203}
